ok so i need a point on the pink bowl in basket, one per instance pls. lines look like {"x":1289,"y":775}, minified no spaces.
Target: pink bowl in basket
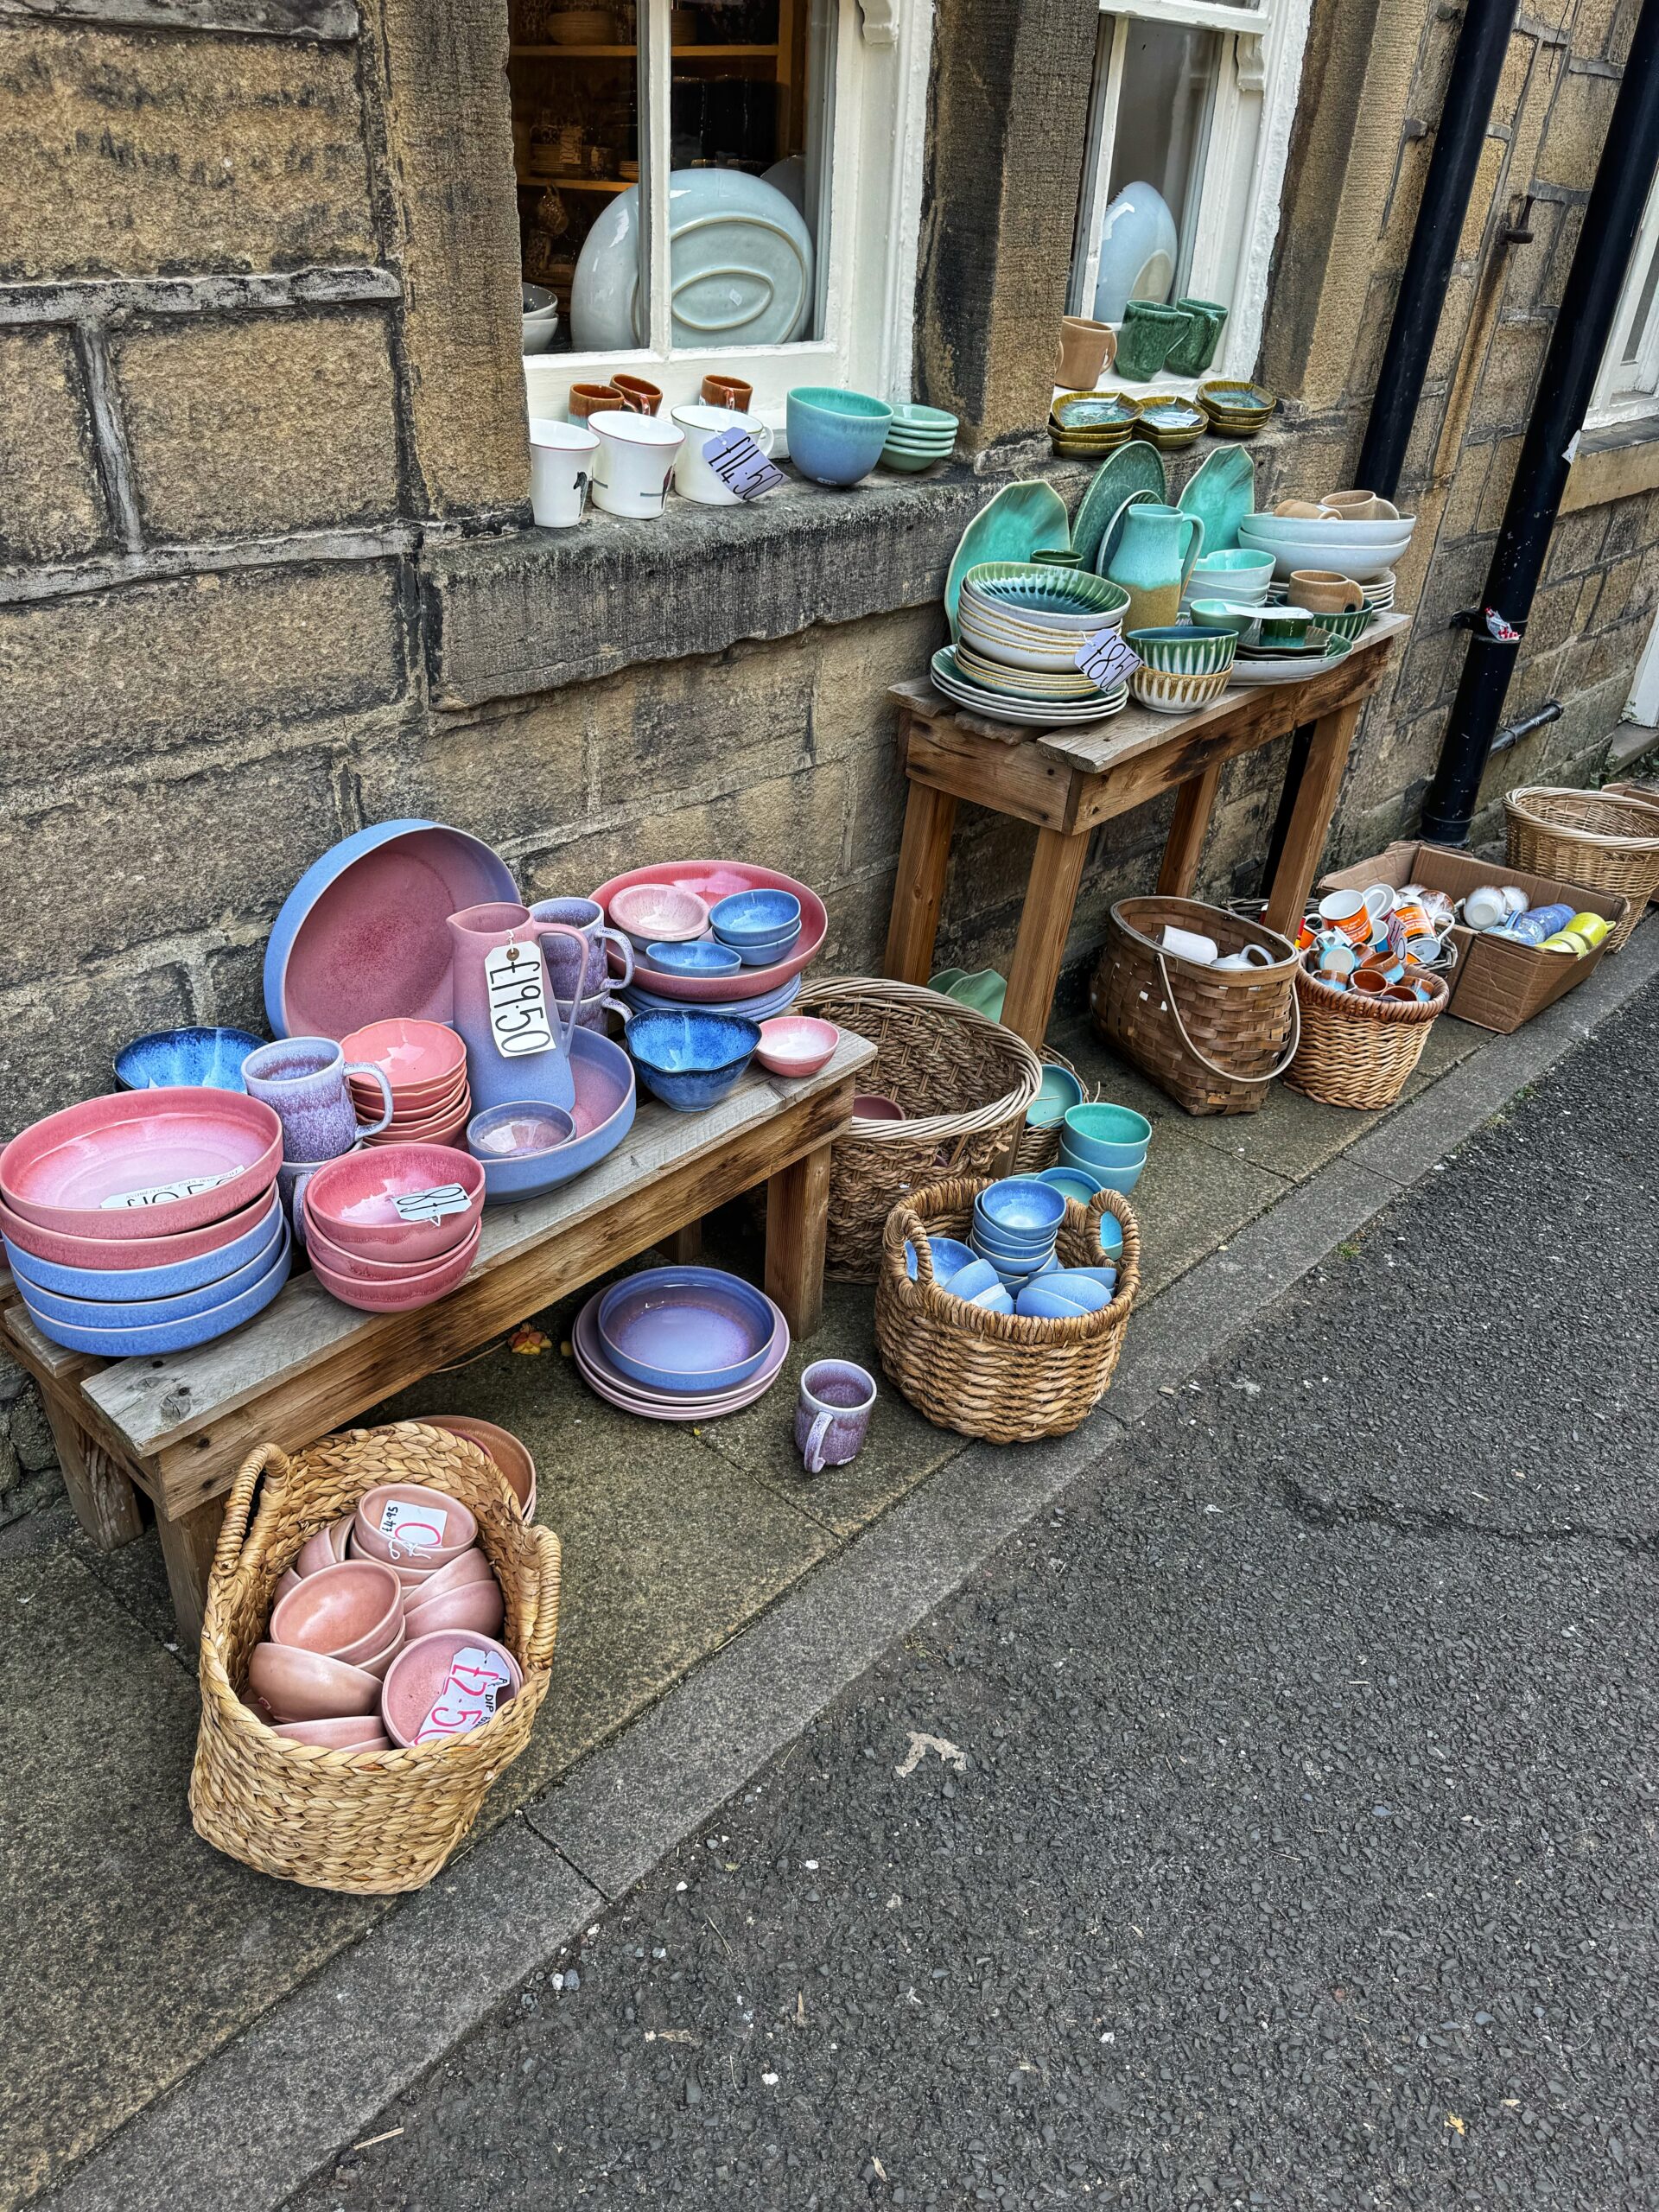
{"x":421,"y":1674}
{"x":304,"y":1686}
{"x":117,"y":1254}
{"x":349,"y":1612}
{"x":478,"y":1607}
{"x":325,"y":1548}
{"x":432,"y":1528}
{"x":421,"y":1058}
{"x":365,"y":1733}
{"x":62,"y":1174}
{"x":500,"y":1444}
{"x":351,"y":1200}
{"x":797,"y":1043}
{"x":460,"y":1574}
{"x":400,"y":1295}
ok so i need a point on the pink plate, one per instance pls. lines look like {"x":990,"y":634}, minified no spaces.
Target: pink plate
{"x":106,"y":1253}
{"x":58,"y":1173}
{"x":797,"y":1045}
{"x":713,"y":881}
{"x":617,"y":1390}
{"x":424,"y":1058}
{"x":351,"y":1199}
{"x":400,"y":1295}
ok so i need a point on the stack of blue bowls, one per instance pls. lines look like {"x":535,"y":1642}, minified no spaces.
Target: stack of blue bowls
{"x":761,"y":926}
{"x":1103,"y":1145}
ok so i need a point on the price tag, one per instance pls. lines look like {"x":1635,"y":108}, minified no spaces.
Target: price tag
{"x":430,"y":1205}
{"x":163,"y":1194}
{"x":471,"y":1691}
{"x":412,"y":1527}
{"x":1105,"y":659}
{"x":740,"y":464}
{"x":515,"y":982}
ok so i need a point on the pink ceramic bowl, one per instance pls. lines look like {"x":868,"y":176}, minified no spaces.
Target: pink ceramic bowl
{"x":348,"y":1610}
{"x":406,"y":1113}
{"x":325,"y":1548}
{"x":420,"y":1674}
{"x":58,"y":1173}
{"x":412,"y":1578}
{"x":289,"y":1580}
{"x":400,"y":1297}
{"x":377,"y":1663}
{"x":366,"y":1734}
{"x":304,"y":1686}
{"x":660,"y":913}
{"x":418,"y":1056}
{"x":500,"y":1444}
{"x":375,"y":1273}
{"x":460,"y":1574}
{"x":429,"y":1129}
{"x":797,"y":1045}
{"x":351,"y":1201}
{"x":478,"y":1608}
{"x":119,"y":1253}
{"x":439,"y":1529}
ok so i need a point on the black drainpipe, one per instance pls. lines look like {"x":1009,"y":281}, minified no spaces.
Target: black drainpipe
{"x":1583,"y":322}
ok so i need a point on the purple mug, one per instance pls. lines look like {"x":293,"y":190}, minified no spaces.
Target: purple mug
{"x":304,"y":1080}
{"x":832,"y":1417}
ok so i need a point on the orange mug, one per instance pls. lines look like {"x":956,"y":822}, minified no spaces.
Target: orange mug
{"x":587,"y":399}
{"x":727,"y":391}
{"x":1347,"y":913}
{"x":638,"y":397}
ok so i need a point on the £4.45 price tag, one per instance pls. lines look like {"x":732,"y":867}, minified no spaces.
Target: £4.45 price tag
{"x":432,"y":1205}
{"x":470,"y":1693}
{"x":515,"y":983}
{"x":411,"y":1527}
{"x":740,"y":464}
{"x":1105,"y":659}
{"x":162,"y":1194}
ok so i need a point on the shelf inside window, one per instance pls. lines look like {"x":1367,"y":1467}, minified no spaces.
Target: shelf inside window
{"x":622,"y":53}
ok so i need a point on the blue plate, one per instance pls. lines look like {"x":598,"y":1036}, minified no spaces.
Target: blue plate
{"x":594,"y":1061}
{"x":151,"y":1312}
{"x":686,"y":1330}
{"x":167,"y":1336}
{"x":641,"y":1001}
{"x":740,"y":263}
{"x":146,"y":1283}
{"x":205,"y":1059}
{"x":690,"y":1060}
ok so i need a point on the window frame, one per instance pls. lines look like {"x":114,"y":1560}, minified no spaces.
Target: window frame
{"x":1629,"y":391}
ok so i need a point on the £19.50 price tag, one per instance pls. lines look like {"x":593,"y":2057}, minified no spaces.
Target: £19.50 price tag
{"x":162,"y":1194}
{"x":515,"y":982}
{"x":740,"y":464}
{"x":432,"y":1205}
{"x":471,"y":1691}
{"x":1105,"y":659}
{"x":411,"y":1527}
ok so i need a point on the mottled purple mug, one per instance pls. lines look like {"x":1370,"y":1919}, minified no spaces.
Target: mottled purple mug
{"x":832,"y":1417}
{"x":303,"y":1080}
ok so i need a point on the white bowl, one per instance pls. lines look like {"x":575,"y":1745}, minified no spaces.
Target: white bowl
{"x":1008,"y":613}
{"x":1359,"y":562}
{"x":1268,"y":529}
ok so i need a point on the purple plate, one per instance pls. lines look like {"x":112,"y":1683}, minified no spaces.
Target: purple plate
{"x":678,"y":1330}
{"x":606,"y":1382}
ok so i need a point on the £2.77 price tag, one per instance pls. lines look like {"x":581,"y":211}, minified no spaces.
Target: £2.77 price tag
{"x":1105,"y":659}
{"x":740,"y":464}
{"x":515,"y":983}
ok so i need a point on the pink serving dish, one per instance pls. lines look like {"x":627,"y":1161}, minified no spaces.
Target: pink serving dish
{"x":422,"y":1059}
{"x":378,"y":1274}
{"x":351,"y":1201}
{"x":117,"y":1252}
{"x":797,"y":1045}
{"x":500,"y":1444}
{"x":711,"y":881}
{"x":419,"y":1670}
{"x":402,"y":1293}
{"x":57,"y":1173}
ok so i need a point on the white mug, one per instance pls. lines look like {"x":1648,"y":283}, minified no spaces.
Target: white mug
{"x":561,"y":469}
{"x":635,"y":461}
{"x":1380,"y":898}
{"x":1250,"y":956}
{"x":1485,"y":906}
{"x":1188,"y":944}
{"x":1516,"y":899}
{"x":693,"y":477}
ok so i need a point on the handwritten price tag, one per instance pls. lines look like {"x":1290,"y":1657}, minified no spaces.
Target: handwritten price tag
{"x":515,"y":983}
{"x":470,"y":1693}
{"x":412,"y":1527}
{"x":1105,"y":659}
{"x":163,"y":1194}
{"x":430,"y":1205}
{"x":740,"y":464}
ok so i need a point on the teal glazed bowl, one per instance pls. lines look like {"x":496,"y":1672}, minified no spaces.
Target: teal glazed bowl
{"x":1183,"y":649}
{"x":835,"y":437}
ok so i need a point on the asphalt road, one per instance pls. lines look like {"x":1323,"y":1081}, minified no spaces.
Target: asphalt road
{"x":1296,"y":1847}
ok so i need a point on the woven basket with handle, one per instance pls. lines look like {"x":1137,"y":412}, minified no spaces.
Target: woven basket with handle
{"x":964,"y":1082}
{"x":1604,"y":843}
{"x":364,"y":1821}
{"x":1357,"y":1051}
{"x":1645,"y":795}
{"x":1213,"y":1039}
{"x":1000,"y":1376}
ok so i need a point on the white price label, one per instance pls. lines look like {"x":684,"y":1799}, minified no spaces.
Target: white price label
{"x":515,"y":982}
{"x":471,"y":1690}
{"x":740,"y":464}
{"x":430,"y":1205}
{"x":163,"y":1194}
{"x":412,"y":1527}
{"x":1105,"y":659}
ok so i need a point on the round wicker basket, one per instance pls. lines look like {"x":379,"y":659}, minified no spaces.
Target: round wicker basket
{"x":1593,"y":838}
{"x":963,"y":1081}
{"x":362,"y":1821}
{"x":1356,"y":1051}
{"x":1645,"y":795}
{"x":1000,"y":1376}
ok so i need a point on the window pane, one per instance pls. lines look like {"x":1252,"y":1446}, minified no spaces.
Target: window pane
{"x":1644,"y":313}
{"x":1162,"y":125}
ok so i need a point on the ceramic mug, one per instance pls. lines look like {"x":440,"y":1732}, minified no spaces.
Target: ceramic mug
{"x":832,"y":1417}
{"x":638,"y":397}
{"x":1346,"y":912}
{"x":1251,"y":955}
{"x":1188,"y":945}
{"x":1149,"y":334}
{"x":1485,"y":907}
{"x":587,"y":399}
{"x":1594,"y":927}
{"x":303,"y":1080}
{"x":1322,"y":591}
{"x":727,"y":391}
{"x":561,"y":469}
{"x":694,"y":478}
{"x":581,"y":984}
{"x":1086,"y":347}
{"x":634,"y":465}
{"x":1359,"y":506}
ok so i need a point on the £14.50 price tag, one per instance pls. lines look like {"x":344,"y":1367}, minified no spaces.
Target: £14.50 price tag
{"x":740,"y":464}
{"x":515,"y":983}
{"x":1105,"y":659}
{"x":163,"y":1194}
{"x":470,"y":1693}
{"x":431,"y":1205}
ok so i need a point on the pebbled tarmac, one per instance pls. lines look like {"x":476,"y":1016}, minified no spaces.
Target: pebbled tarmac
{"x":1280,"y":1829}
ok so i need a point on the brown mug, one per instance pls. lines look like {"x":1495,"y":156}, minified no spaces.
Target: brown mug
{"x":1322,"y":591}
{"x":638,"y":397}
{"x":1360,"y":506}
{"x":1088,"y":349}
{"x":727,"y":391}
{"x":1301,"y":511}
{"x":587,"y":399}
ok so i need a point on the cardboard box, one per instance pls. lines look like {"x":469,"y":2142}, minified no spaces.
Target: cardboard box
{"x":1498,"y":982}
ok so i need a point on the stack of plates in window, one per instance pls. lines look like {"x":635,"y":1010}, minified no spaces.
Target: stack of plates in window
{"x":680,"y":1344}
{"x":1021,"y":627}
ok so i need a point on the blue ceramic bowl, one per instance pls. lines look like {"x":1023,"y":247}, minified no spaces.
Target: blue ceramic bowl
{"x":519,"y":1130}
{"x":691,"y":1060}
{"x":206,"y":1059}
{"x":1062,"y":1297}
{"x":158,"y":1336}
{"x":949,"y":1255}
{"x":749,"y":917}
{"x":1104,"y":1124}
{"x":977,"y":1276}
{"x":147,"y":1283}
{"x":1060,"y":1090}
{"x":1021,"y":1207}
{"x":1093,"y":1153}
{"x":1027,"y":1252}
{"x":996,"y":1299}
{"x":1015,"y":1278}
{"x":1073,"y":1183}
{"x":835,"y":437}
{"x":151,"y":1313}
{"x":608,"y":1100}
{"x":1121,"y":1179}
{"x":700,"y":957}
{"x":763,"y":952}
{"x":686,"y":1330}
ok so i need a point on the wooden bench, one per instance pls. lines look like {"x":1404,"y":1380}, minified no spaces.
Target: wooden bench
{"x":1069,"y":781}
{"x":178,"y":1427}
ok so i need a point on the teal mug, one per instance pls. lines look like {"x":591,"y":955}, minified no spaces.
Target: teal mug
{"x":1192,"y":352}
{"x":1149,"y":334}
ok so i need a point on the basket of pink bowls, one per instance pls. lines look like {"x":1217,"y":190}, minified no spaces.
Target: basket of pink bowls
{"x":394,"y":1227}
{"x":797,"y":1043}
{"x":425,"y":1064}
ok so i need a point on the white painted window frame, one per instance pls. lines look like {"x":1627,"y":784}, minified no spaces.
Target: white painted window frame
{"x":1242,"y":181}
{"x":1626,"y":391}
{"x":877,"y":119}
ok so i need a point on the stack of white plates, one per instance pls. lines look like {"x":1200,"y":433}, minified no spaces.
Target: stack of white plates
{"x":1364,"y":550}
{"x":1021,"y":707}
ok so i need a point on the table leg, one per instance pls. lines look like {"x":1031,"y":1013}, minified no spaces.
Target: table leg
{"x":100,"y":1490}
{"x":918,"y":890}
{"x":1184,"y":847}
{"x":684,"y":1246}
{"x":188,"y":1547}
{"x":797,"y":1223}
{"x":1310,"y":818}
{"x":1050,"y":894}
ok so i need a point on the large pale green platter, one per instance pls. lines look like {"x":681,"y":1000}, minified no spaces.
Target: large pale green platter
{"x":1022,"y":519}
{"x":1137,"y":466}
{"x":1221,"y":492}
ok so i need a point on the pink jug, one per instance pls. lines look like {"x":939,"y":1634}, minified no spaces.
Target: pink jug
{"x":517,"y":1049}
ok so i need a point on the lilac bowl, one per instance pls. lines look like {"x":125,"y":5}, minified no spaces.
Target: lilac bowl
{"x":685,"y":1330}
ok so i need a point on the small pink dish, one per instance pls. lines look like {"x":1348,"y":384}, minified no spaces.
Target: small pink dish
{"x":102,"y":1253}
{"x":500,"y":1444}
{"x":422,"y":1672}
{"x":418,"y":1287}
{"x":418,"y":1056}
{"x":304,"y":1686}
{"x":351,"y":1200}
{"x":479,"y":1608}
{"x":62,"y":1174}
{"x":366,"y":1734}
{"x":876,"y":1106}
{"x":348,"y":1610}
{"x":797,"y":1043}
{"x":660,"y":913}
{"x":378,"y":1663}
{"x":431,"y":1528}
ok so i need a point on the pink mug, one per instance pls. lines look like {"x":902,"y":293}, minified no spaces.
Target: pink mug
{"x":832,"y":1418}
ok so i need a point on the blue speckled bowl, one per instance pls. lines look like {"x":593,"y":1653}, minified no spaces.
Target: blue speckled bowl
{"x":690,"y":1060}
{"x":206,"y":1059}
{"x":700,"y":957}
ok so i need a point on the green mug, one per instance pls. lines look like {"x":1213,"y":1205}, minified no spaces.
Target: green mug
{"x":1191,"y":354}
{"x":1149,"y":334}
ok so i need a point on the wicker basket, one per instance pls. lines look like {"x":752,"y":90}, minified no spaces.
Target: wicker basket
{"x":1590,"y":838}
{"x":1212,"y":1038}
{"x":997,"y":1376}
{"x":963,"y":1081}
{"x":1356,"y":1051}
{"x":363,"y":1822}
{"x":1647,"y":795}
{"x":1041,"y":1149}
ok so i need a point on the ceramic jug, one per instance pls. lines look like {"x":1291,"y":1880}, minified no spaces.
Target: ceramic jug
{"x":581,"y":987}
{"x":517,"y":1048}
{"x":1152,"y":561}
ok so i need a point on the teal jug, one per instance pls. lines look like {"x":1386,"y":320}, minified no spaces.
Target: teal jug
{"x":1152,"y":561}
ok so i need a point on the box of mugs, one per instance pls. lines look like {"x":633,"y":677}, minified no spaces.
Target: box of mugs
{"x":1507,"y":969}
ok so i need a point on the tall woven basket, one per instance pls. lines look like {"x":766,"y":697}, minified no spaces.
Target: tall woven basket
{"x":963,"y":1081}
{"x":1000,"y":1376}
{"x":1356,"y":1051}
{"x":1040,"y":1148}
{"x":1593,"y":838}
{"x":1646,"y":795}
{"x":363,"y":1822}
{"x":1213,"y":1039}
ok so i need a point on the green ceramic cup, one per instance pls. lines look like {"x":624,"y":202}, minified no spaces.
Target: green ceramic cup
{"x":1057,"y":560}
{"x":1191,"y":354}
{"x":1148,"y":334}
{"x":1346,"y":625}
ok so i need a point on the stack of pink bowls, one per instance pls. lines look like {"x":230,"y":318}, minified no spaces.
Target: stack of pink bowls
{"x":367,"y":1249}
{"x":425,"y":1064}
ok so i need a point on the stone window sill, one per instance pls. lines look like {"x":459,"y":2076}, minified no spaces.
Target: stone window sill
{"x":1618,"y":461}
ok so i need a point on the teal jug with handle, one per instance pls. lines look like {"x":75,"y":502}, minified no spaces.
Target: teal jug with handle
{"x":1152,"y":561}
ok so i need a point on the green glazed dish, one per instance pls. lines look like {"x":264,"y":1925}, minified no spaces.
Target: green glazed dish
{"x":1185,"y":650}
{"x":1345,"y":625}
{"x":1022,"y":519}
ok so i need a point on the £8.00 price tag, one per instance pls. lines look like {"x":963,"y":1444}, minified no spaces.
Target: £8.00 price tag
{"x":515,"y":982}
{"x":740,"y":464}
{"x":430,"y":1205}
{"x":1105,"y":659}
{"x":163,"y":1194}
{"x":471,"y":1690}
{"x":411,"y":1526}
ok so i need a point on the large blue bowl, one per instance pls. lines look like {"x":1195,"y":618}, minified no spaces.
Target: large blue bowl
{"x":146,"y":1283}
{"x":161,"y":1337}
{"x":1019,"y":1208}
{"x":686,"y":1330}
{"x":600,"y":1070}
{"x":835,"y":437}
{"x":151,"y":1313}
{"x":690,"y":1060}
{"x":205,"y":1059}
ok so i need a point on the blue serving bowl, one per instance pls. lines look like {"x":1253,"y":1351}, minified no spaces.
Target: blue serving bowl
{"x":1021,"y":1207}
{"x":1121,"y":1179}
{"x":607,"y":1101}
{"x":1073,"y":1182}
{"x":1062,"y":1297}
{"x":147,"y":1283}
{"x":947,"y":1253}
{"x":835,"y":437}
{"x":700,"y":957}
{"x":748,"y":916}
{"x":205,"y":1059}
{"x":1060,"y":1091}
{"x":690,"y":1060}
{"x":151,"y":1312}
{"x":686,"y":1330}
{"x":156,"y":1337}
